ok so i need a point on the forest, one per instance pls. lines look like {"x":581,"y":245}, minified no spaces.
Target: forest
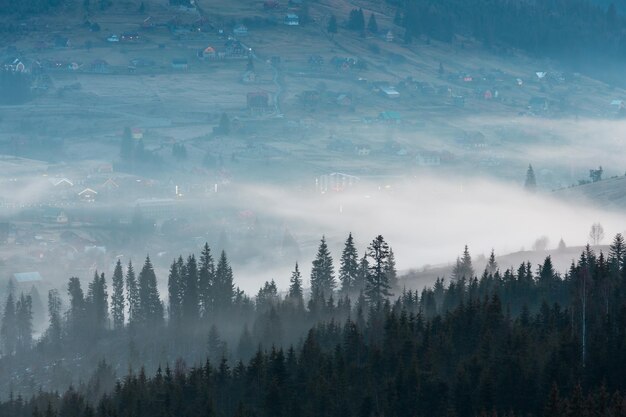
{"x":529,"y":341}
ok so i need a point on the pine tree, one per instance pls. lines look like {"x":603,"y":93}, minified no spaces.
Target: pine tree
{"x":175,"y":292}
{"x":97,"y":304}
{"x":8,"y":329}
{"x":332,"y":25}
{"x":76,"y":312}
{"x":54,"y":315}
{"x":206,"y":278}
{"x":132,"y":293}
{"x":362,"y":274}
{"x":118,"y":302}
{"x":190,"y":303}
{"x":322,"y":272}
{"x":24,"y":320}
{"x":223,"y":287}
{"x":390,"y":270}
{"x":492,"y":265}
{"x":377,"y":287}
{"x":617,"y":254}
{"x":531,"y":183}
{"x":372,"y":25}
{"x":295,"y":287}
{"x":463,"y":268}
{"x":150,"y":307}
{"x":349,"y":267}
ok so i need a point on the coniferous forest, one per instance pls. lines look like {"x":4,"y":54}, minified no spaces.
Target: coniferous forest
{"x":528,"y":342}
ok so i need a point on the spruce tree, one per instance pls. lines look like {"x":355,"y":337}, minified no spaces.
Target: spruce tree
{"x":97,"y":304}
{"x":372,"y":25}
{"x":377,"y":286}
{"x":118,"y":302}
{"x":76,"y":313}
{"x":322,"y":272}
{"x":8,"y":329}
{"x":24,"y":321}
{"x":54,"y":315}
{"x":391,"y":271}
{"x":206,"y":277}
{"x":150,"y":307}
{"x":492,"y":265}
{"x":175,"y":292}
{"x":132,"y":293}
{"x":190,"y":303}
{"x":362,"y":273}
{"x":349,"y":266}
{"x":531,"y":183}
{"x":223,"y":287}
{"x":295,"y":287}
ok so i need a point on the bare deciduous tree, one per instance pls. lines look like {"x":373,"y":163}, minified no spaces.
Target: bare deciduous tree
{"x":596,"y":234}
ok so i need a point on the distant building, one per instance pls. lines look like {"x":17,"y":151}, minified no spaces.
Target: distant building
{"x":258,"y":102}
{"x":390,"y":117}
{"x":180,"y":64}
{"x":389,"y":36}
{"x":428,"y":159}
{"x":240,"y":30}
{"x":156,"y":208}
{"x":292,"y":19}
{"x":336,"y":182}
{"x":389,"y":92}
{"x":88,"y":195}
{"x":26,"y":278}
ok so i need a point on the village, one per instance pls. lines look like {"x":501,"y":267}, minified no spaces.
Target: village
{"x":217,"y":101}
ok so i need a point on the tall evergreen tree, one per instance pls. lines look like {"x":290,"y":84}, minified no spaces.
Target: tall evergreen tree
{"x":132,"y":293}
{"x":492,"y":265}
{"x":531,"y":183}
{"x":349,"y":266}
{"x":295,"y":287}
{"x":8,"y":329}
{"x":24,"y":320}
{"x":206,"y":277}
{"x":391,"y":271}
{"x":372,"y":25}
{"x":223,"y":287}
{"x":54,"y":316}
{"x":150,"y":305}
{"x":322,"y":272}
{"x":118,"y":302}
{"x":97,"y":304}
{"x":175,"y":292}
{"x":362,"y":274}
{"x":76,"y":313}
{"x":190,"y":303}
{"x":377,"y":287}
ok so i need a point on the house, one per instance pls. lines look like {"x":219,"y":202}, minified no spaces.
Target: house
{"x":61,"y":182}
{"x":344,"y":100}
{"x":62,"y":218}
{"x":110,"y":185}
{"x":428,"y":159}
{"x":88,"y":195}
{"x":234,"y":48}
{"x":538,"y":104}
{"x":240,"y":30}
{"x":292,"y":19}
{"x":209,"y":53}
{"x":335,"y":181}
{"x":389,"y":92}
{"x":130,"y":36}
{"x":258,"y":102}
{"x":26,"y":278}
{"x":390,"y":117}
{"x":100,"y":66}
{"x":14,"y":65}
{"x":389,"y":36}
{"x":136,"y":133}
{"x":179,"y":64}
{"x":363,"y":150}
{"x":249,"y":77}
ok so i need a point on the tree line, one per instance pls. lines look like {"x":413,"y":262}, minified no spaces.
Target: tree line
{"x":518,"y":342}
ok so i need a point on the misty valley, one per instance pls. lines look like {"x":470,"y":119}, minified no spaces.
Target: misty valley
{"x":284,"y":208}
